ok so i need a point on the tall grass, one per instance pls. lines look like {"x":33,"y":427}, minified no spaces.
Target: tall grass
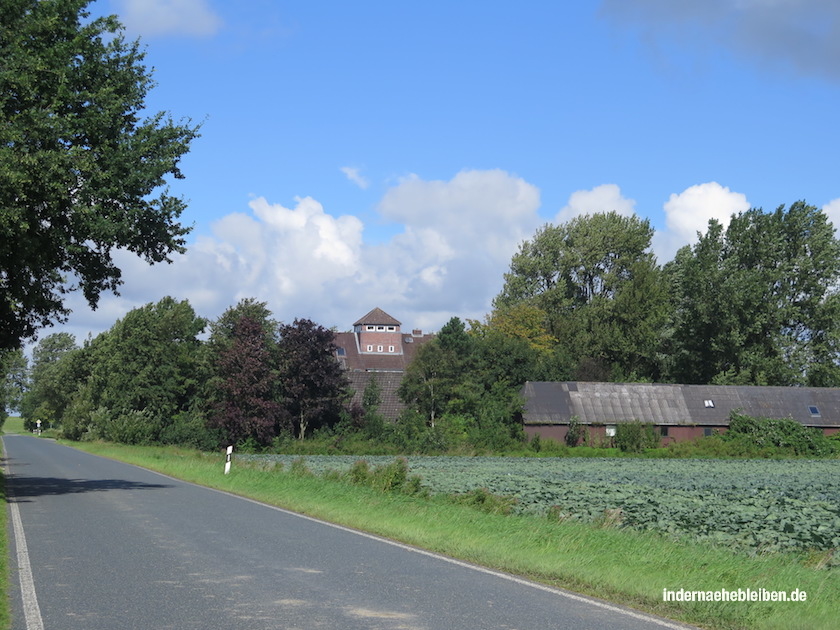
{"x":623,"y":566}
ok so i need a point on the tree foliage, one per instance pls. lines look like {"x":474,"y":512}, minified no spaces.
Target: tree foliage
{"x":80,"y":166}
{"x":600,"y":289}
{"x":756,"y":303}
{"x":245,"y":405}
{"x":51,"y":376}
{"x":148,"y":363}
{"x":314,"y":386}
{"x":13,"y":381}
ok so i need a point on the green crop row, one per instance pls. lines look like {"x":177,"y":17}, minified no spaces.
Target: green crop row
{"x":755,"y":505}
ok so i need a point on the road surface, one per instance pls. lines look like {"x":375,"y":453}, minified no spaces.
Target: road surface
{"x":100,"y":545}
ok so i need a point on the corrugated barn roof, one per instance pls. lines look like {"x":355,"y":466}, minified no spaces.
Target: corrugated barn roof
{"x":702,"y":405}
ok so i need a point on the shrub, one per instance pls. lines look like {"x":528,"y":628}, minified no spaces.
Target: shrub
{"x":392,"y":477}
{"x":574,"y":433}
{"x":635,"y":437}
{"x":782,"y":434}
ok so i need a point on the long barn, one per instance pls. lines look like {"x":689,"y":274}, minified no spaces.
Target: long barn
{"x":679,"y":412}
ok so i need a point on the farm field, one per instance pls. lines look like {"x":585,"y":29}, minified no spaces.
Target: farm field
{"x":752,"y":505}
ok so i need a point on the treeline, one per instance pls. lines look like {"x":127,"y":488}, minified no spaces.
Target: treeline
{"x":754,"y":303}
{"x":152,"y":379}
{"x":164,"y":375}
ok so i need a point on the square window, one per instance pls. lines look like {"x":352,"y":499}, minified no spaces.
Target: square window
{"x":707,"y":431}
{"x":663,"y":431}
{"x":610,"y":430}
{"x":709,"y":404}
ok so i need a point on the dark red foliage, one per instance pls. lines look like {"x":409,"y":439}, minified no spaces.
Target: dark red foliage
{"x":246,"y":405}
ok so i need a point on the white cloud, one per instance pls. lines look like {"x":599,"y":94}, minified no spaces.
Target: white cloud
{"x":832,"y":211}
{"x":604,"y":198}
{"x":456,"y":242}
{"x":355,"y":176}
{"x":169,"y":17}
{"x":688,"y":213}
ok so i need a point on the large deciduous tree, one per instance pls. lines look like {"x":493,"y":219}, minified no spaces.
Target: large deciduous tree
{"x":243,"y":392}
{"x":81,"y":168}
{"x":757,"y":302}
{"x":146,"y":370}
{"x":313,"y":384}
{"x":600,"y":287}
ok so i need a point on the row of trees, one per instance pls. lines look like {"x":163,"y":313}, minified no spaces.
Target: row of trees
{"x":151,"y":379}
{"x":755,"y":302}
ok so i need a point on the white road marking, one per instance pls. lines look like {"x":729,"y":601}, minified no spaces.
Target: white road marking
{"x":31,"y":610}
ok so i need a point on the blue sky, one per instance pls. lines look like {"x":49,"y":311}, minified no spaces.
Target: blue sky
{"x":395,"y":154}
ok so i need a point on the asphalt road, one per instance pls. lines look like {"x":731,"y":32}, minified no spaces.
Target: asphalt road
{"x":100,"y":545}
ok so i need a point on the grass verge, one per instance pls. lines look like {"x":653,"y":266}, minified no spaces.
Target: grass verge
{"x":618,"y":565}
{"x":12,"y":425}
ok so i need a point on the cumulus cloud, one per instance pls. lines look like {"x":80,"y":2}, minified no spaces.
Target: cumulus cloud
{"x":688,"y":213}
{"x":800,"y":35}
{"x":169,"y":17}
{"x":355,"y":176}
{"x":604,"y":198}
{"x":832,"y":211}
{"x":459,"y":238}
{"x":456,"y":242}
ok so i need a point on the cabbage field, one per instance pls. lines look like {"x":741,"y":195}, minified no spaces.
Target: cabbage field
{"x":757,"y":505}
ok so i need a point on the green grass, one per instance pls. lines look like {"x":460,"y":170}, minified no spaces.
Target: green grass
{"x":12,"y":425}
{"x":622,"y":566}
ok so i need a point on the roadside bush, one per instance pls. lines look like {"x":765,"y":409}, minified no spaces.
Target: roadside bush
{"x":784,"y":434}
{"x":635,"y":437}
{"x":190,"y":429}
{"x":392,"y":477}
{"x":132,"y":427}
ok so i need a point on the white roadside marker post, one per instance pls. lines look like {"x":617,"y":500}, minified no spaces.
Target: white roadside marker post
{"x":227,"y":459}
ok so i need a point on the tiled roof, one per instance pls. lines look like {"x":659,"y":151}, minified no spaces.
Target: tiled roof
{"x":389,"y":382}
{"x":377,"y":317}
{"x":354,"y":360}
{"x":700,"y":405}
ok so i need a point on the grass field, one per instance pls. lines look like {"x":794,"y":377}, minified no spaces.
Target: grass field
{"x":619,"y":565}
